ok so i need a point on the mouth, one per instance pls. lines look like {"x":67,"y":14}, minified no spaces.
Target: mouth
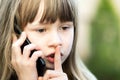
{"x":50,"y":58}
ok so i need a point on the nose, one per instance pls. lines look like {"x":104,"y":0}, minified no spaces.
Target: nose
{"x":55,"y":40}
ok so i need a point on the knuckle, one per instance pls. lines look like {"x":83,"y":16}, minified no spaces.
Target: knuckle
{"x":28,"y":47}
{"x":35,"y":54}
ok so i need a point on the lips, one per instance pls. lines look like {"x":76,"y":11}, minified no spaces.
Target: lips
{"x":50,"y":58}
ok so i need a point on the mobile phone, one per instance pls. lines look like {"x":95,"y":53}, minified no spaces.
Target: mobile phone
{"x":40,"y":63}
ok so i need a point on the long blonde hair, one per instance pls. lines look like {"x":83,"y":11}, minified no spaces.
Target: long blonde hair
{"x":24,"y":11}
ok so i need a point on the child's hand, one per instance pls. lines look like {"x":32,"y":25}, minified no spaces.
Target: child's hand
{"x":58,"y":73}
{"x":24,"y":65}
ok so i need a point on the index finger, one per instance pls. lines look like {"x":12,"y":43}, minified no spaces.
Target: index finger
{"x":57,"y":59}
{"x":16,"y":43}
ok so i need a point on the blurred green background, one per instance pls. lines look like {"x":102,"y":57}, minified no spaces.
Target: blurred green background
{"x":105,"y":43}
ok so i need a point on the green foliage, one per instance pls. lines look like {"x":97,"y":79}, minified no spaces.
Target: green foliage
{"x":105,"y":61}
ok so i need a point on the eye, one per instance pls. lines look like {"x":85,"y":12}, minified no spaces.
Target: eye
{"x":41,"y":30}
{"x":64,"y":28}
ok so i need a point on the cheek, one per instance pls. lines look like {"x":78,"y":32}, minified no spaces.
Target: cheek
{"x":40,"y":44}
{"x":37,"y":40}
{"x":68,"y":42}
{"x":67,"y":50}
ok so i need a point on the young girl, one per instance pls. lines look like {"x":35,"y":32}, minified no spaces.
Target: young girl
{"x":51,"y":27}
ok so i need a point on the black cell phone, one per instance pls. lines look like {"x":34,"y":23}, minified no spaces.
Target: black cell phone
{"x":40,"y":63}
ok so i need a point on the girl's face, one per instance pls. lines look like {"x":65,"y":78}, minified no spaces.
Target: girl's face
{"x":47,"y":36}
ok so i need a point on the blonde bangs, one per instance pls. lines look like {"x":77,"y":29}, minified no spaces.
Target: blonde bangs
{"x":27,"y":11}
{"x":54,"y":9}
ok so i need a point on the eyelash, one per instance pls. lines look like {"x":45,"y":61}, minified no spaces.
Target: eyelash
{"x":64,"y":28}
{"x":41,"y":30}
